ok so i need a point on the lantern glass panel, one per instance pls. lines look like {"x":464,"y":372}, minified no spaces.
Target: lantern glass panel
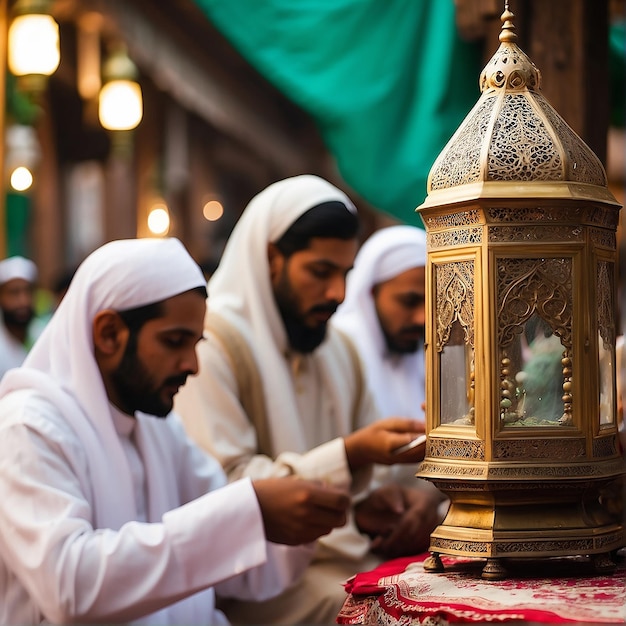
{"x":532,"y":378}
{"x":607,"y":398}
{"x":456,"y":364}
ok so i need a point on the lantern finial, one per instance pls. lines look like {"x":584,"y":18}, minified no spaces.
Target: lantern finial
{"x":508,"y":27}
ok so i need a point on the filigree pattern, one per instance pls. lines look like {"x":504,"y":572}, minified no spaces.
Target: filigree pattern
{"x":462,"y":218}
{"x":603,"y":216}
{"x":544,"y":472}
{"x":603,"y":238}
{"x":583,"y":165}
{"x":533,"y":214}
{"x":568,"y":546}
{"x":556,"y":449}
{"x":456,"y":449}
{"x":526,"y":286}
{"x":455,"y":300}
{"x":510,"y":68}
{"x":604,"y":447}
{"x":535,"y":233}
{"x":457,"y":237}
{"x":459,"y":162}
{"x":467,"y":547}
{"x":521,"y":146}
{"x":435,"y":469}
{"x":606,"y":307}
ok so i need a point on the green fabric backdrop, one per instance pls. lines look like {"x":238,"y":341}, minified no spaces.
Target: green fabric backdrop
{"x":387,"y":81}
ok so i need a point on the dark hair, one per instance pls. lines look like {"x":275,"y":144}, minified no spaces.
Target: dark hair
{"x":137,"y":317}
{"x":326,"y":220}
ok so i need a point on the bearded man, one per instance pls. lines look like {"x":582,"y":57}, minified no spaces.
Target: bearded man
{"x":281,"y":393}
{"x":18,"y":325}
{"x":109,"y":512}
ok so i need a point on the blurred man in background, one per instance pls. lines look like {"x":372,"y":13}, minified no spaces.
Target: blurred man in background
{"x":19,"y":326}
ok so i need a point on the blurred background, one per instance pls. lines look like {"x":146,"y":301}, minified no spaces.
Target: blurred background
{"x":235,"y":94}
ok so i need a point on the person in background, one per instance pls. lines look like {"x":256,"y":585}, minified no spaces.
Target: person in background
{"x":282,"y":393}
{"x":109,"y":512}
{"x":19,"y":326}
{"x":384,"y":313}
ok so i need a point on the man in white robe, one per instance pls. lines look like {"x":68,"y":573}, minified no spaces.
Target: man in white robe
{"x":19,"y":326}
{"x":384,"y":314}
{"x":110,"y":514}
{"x":281,"y":277}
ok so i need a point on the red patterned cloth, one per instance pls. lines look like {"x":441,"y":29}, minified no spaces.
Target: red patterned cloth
{"x":400,"y":592}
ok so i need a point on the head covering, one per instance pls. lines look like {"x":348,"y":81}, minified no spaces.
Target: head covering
{"x":241,"y":290}
{"x":397,"y":382}
{"x":61,"y":365}
{"x":17,"y":267}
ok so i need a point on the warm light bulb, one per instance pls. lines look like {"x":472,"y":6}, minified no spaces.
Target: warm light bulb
{"x":33,"y":45}
{"x":21,"y":178}
{"x":213,"y":210}
{"x":159,"y":220}
{"x":120,"y":106}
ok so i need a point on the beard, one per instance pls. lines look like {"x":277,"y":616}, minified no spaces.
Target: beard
{"x":302,"y":338}
{"x":18,"y":318}
{"x":396,"y":344}
{"x":137,"y":389}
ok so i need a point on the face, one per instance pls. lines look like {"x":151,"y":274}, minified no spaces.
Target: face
{"x":309,"y":286}
{"x":158,"y":359}
{"x":16,"y":302}
{"x":400,"y":306}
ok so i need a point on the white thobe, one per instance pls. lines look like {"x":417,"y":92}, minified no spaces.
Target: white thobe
{"x":309,"y":444}
{"x":56,"y":567}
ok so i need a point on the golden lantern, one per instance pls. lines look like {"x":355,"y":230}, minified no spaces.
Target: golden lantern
{"x":33,"y":44}
{"x":120,"y":105}
{"x":521,"y":300}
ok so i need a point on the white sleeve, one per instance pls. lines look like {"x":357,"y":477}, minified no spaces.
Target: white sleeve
{"x":77,"y":573}
{"x":212,"y":413}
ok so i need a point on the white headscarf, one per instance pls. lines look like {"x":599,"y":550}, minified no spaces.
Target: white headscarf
{"x":397,"y":383}
{"x":17,"y":267}
{"x":241,"y":290}
{"x":62,"y":367}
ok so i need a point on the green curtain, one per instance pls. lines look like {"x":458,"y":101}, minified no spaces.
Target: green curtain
{"x":617,"y":72}
{"x":17,"y":219}
{"x":387,"y":82}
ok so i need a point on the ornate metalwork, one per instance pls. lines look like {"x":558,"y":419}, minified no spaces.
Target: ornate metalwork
{"x":604,"y":447}
{"x":455,"y":300}
{"x":535,"y":233}
{"x":560,"y":450}
{"x":603,"y":238}
{"x":606,"y":306}
{"x":456,"y":449}
{"x":520,"y":356}
{"x":456,"y":237}
{"x":526,"y":286}
{"x":522,"y":148}
{"x":460,"y":218}
{"x":583,"y":165}
{"x":461,"y":164}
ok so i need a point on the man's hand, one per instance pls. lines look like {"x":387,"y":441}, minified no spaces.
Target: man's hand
{"x":298,"y":511}
{"x":399,"y":520}
{"x":377,"y":442}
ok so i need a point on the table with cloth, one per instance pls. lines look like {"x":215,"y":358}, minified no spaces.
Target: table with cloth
{"x":554,"y":591}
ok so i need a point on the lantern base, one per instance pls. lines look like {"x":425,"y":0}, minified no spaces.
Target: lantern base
{"x":530,"y":522}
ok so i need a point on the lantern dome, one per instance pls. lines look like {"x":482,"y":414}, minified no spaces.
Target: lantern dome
{"x":513,"y":134}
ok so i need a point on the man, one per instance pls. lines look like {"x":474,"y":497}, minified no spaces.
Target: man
{"x":109,"y":513}
{"x":18,"y":325}
{"x":281,"y":393}
{"x":384,"y":314}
